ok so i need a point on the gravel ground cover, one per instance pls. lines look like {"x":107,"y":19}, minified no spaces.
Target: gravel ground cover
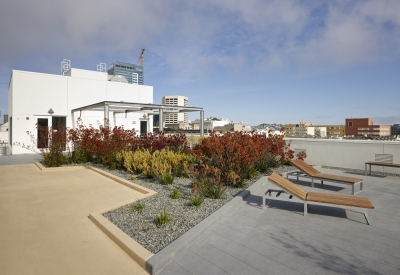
{"x":141,"y":225}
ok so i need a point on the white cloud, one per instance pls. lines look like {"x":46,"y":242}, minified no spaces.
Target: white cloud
{"x":387,"y":120}
{"x":191,"y":36}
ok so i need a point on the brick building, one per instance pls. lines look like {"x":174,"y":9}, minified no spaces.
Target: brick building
{"x":365,"y":126}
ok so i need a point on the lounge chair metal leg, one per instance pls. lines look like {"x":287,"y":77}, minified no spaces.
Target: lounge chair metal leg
{"x":352,"y":189}
{"x":361,"y":185}
{"x":367,"y":217}
{"x":305,"y":208}
{"x":366,"y":165}
{"x":312,"y":182}
{"x":269,"y":192}
{"x":264,"y":198}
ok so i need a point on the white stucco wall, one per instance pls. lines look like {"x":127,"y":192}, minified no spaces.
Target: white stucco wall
{"x":346,"y":153}
{"x":86,"y":74}
{"x":3,"y":137}
{"x":31,"y":95}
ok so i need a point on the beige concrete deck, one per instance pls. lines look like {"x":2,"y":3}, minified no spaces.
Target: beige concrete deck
{"x":44,"y":224}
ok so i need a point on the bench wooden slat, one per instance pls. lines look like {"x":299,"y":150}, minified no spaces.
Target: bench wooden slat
{"x":288,"y":186}
{"x":309,"y":170}
{"x":383,"y":164}
{"x":340,"y":200}
{"x":338,"y":178}
{"x":319,"y":197}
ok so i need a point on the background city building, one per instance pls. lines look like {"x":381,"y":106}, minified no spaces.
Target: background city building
{"x":395,"y":129}
{"x":133,"y":73}
{"x":5,"y":118}
{"x":209,"y":123}
{"x":303,"y":129}
{"x":233,"y":127}
{"x":176,"y":120}
{"x":365,"y":127}
{"x":334,"y":130}
{"x":290,"y":128}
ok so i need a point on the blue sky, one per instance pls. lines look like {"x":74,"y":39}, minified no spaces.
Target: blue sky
{"x":254,"y":61}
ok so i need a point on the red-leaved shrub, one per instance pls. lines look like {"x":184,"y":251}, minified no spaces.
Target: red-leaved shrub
{"x":237,"y":154}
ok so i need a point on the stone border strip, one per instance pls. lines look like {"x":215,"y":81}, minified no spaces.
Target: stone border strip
{"x":122,"y":181}
{"x":135,"y":250}
{"x":47,"y":169}
{"x":158,"y":261}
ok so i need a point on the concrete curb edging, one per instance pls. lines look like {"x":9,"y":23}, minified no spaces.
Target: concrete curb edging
{"x":48,"y":169}
{"x":158,"y":261}
{"x":136,"y":251}
{"x":129,"y":184}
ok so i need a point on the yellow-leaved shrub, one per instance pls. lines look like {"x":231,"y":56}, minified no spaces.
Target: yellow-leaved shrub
{"x":193,"y":140}
{"x":162,"y":164}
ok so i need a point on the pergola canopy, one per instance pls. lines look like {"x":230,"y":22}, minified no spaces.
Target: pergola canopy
{"x":129,"y":107}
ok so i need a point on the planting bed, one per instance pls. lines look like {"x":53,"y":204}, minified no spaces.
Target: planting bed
{"x":141,"y":226}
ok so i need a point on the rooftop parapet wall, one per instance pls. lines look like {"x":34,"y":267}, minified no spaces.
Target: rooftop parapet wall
{"x":87,"y":74}
{"x":347,"y":153}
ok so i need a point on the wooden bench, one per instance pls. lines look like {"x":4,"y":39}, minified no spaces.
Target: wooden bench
{"x":307,"y":171}
{"x":385,"y":160}
{"x":300,"y":193}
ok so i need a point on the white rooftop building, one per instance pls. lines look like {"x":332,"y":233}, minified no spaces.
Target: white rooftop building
{"x":48,"y":99}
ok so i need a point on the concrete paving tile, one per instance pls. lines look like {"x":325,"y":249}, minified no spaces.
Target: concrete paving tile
{"x":309,"y":248}
{"x":223,"y":260}
{"x":383,"y":252}
{"x":270,"y":251}
{"x":173,"y":269}
{"x":196,"y":264}
{"x":248,"y":256}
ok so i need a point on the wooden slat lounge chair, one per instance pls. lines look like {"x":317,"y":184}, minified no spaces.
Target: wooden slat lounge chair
{"x":294,"y":190}
{"x":308,"y":171}
{"x":385,"y":160}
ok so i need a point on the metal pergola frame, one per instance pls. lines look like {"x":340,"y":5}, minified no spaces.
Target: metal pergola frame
{"x":130,"y":107}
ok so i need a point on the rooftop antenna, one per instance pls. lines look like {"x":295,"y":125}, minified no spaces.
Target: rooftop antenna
{"x":140,"y":59}
{"x":65,"y":66}
{"x":101,"y":67}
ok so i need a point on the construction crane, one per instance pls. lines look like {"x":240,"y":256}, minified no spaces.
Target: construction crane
{"x":140,"y":59}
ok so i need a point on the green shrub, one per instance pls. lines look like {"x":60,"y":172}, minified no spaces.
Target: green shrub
{"x":163,"y":218}
{"x":175,"y":194}
{"x":167,"y":179}
{"x":197,"y":200}
{"x":266,"y":162}
{"x":138,"y":207}
{"x":211,"y":189}
{"x":77,"y":156}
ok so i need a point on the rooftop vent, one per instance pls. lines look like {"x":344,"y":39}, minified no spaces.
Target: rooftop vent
{"x":117,"y":78}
